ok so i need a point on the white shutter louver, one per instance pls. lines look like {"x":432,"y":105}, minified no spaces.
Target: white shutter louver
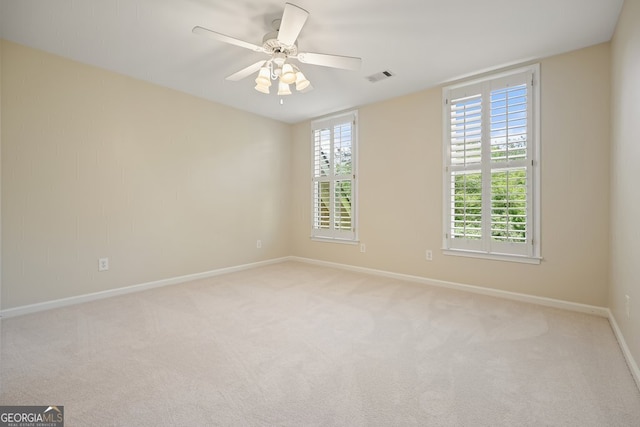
{"x":466,"y":205}
{"x":509,"y":123}
{"x":466,"y":130}
{"x":321,"y":174}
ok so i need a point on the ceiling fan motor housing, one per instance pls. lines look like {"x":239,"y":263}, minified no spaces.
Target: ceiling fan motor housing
{"x":271,"y":45}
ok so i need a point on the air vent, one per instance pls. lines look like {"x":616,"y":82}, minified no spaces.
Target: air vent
{"x":383,"y":75}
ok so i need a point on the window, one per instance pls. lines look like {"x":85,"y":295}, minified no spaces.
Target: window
{"x":334,"y":178}
{"x":491,"y":200}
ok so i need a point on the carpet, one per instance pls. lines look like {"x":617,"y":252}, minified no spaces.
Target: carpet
{"x":293,"y":344}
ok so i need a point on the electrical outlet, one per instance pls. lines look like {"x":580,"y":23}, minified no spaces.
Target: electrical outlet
{"x":363,"y":248}
{"x":627,"y":303}
{"x":103,"y":264}
{"x":429,"y":255}
{"x":258,"y":244}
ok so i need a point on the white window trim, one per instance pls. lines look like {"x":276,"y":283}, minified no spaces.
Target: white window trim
{"x":335,"y":240}
{"x":331,"y":121}
{"x":534,"y":255}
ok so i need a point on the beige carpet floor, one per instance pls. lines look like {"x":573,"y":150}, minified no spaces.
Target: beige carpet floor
{"x":293,"y":344}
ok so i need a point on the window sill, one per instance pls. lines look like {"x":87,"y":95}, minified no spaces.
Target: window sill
{"x":334,"y":240}
{"x":495,"y":257}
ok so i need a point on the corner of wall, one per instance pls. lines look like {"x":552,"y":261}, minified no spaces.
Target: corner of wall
{"x":1,"y":44}
{"x":624,"y":288}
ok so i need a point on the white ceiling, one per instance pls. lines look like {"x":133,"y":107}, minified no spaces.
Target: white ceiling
{"x":423,"y":42}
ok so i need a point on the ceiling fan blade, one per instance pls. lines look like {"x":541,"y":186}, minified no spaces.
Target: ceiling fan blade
{"x":226,"y":39}
{"x":293,"y":19}
{"x":334,"y":61}
{"x":246,"y":72}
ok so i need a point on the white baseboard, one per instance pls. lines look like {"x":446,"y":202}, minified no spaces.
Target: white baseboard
{"x":631,"y":363}
{"x":548,"y":302}
{"x":63,"y":302}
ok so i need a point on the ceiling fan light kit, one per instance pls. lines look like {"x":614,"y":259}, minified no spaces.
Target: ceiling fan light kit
{"x":285,"y":75}
{"x":281,"y":45}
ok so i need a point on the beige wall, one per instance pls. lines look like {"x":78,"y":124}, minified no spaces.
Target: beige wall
{"x":625,"y":194}
{"x":400,"y":184}
{"x":96,"y":164}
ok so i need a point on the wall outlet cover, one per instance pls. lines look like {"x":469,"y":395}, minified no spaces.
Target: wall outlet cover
{"x":103,"y":264}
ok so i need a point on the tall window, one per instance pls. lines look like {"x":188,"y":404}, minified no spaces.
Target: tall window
{"x":491,"y":167}
{"x":333,"y":177}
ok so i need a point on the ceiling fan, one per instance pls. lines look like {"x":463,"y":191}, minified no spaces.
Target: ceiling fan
{"x":281,"y":46}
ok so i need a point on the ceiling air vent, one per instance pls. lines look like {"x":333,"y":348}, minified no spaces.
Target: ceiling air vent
{"x":374,"y":78}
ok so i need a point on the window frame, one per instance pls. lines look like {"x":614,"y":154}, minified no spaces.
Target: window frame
{"x":332,"y":235}
{"x":486,"y":247}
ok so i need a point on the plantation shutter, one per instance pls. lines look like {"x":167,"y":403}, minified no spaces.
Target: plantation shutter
{"x":489,"y":165}
{"x":465,"y":167}
{"x":510,"y":170}
{"x":334,"y":178}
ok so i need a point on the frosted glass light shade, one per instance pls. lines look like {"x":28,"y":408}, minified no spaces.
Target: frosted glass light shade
{"x":264,"y":77}
{"x":288,"y":75}
{"x":262,"y":88}
{"x":301,"y":81}
{"x":283,"y":89}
